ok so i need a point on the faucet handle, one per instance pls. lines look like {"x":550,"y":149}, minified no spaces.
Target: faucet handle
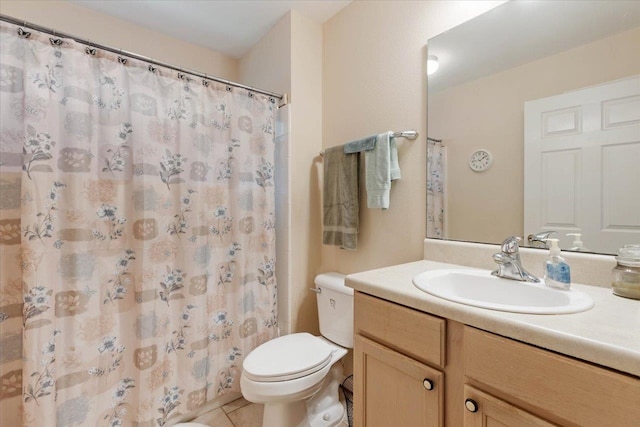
{"x":510,"y":245}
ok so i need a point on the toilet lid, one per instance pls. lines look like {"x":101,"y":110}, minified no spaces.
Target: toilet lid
{"x":286,"y":358}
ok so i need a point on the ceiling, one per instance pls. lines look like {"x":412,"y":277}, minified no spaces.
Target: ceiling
{"x":518,"y":32}
{"x":229,"y":27}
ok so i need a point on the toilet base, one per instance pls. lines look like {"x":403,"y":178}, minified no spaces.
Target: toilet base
{"x":324,"y":409}
{"x":289,"y":414}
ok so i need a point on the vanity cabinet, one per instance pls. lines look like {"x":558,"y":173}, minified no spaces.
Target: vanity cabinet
{"x":474,"y":378}
{"x":393,"y":384}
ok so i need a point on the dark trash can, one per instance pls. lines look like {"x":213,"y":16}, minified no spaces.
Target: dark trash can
{"x":347,"y":390}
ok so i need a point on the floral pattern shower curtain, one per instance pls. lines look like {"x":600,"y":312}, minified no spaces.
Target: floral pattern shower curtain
{"x":436,"y":175}
{"x":137,"y":236}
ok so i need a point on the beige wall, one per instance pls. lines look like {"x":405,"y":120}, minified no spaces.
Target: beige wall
{"x":86,"y":23}
{"x":375,"y":80}
{"x":489,"y":113}
{"x":267,"y":64}
{"x":306,"y":143}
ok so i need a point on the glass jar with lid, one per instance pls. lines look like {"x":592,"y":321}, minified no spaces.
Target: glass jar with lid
{"x":626,"y":275}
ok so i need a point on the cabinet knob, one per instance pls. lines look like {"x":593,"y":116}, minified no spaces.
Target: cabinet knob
{"x":428,"y":384}
{"x":471,"y":405}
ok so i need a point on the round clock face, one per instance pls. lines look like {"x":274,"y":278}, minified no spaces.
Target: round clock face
{"x":480,"y":161}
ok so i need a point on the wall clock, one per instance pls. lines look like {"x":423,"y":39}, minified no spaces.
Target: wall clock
{"x":480,"y":160}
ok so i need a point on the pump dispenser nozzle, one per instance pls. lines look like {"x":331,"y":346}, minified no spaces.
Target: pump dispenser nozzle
{"x":554,"y":249}
{"x":577,"y":244}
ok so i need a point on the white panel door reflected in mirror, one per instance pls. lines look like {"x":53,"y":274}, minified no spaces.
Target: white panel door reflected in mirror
{"x":582,"y":165}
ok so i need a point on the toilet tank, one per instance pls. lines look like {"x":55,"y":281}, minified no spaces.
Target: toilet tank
{"x":335,"y":308}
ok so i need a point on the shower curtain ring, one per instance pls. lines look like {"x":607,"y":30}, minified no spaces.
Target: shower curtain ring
{"x":23,"y":33}
{"x":55,"y":40}
{"x":122,"y":59}
{"x":90,"y":50}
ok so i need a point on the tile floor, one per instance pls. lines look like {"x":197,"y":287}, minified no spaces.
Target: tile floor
{"x":239,"y":413}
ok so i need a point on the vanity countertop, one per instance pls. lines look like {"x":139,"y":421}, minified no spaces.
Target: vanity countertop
{"x":608,"y":334}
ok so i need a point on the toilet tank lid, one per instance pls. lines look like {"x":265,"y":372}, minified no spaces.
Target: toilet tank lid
{"x":333,"y":281}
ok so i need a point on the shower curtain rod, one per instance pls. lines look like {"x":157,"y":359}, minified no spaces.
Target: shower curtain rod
{"x":56,"y":33}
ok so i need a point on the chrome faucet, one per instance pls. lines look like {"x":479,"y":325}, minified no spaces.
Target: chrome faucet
{"x":509,"y":264}
{"x":539,"y":240}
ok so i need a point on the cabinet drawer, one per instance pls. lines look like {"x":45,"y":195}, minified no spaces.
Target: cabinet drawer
{"x":409,"y":331}
{"x":561,"y":389}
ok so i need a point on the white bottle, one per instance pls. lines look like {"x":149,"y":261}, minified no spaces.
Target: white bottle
{"x":577,"y":244}
{"x":557,"y":273}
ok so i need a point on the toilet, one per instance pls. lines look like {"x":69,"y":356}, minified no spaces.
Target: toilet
{"x":296,"y":376}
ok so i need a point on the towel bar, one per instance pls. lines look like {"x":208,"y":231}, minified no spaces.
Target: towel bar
{"x":409,"y":134}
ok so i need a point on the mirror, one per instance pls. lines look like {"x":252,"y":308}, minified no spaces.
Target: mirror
{"x":542,"y":100}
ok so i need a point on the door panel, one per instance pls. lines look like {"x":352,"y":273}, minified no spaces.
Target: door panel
{"x":390,"y":389}
{"x":582,"y":157}
{"x":495,"y":412}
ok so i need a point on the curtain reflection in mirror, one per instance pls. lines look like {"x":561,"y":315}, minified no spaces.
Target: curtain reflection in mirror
{"x":436,"y":197}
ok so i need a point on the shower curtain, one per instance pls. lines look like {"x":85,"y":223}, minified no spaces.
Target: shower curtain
{"x":137,"y":235}
{"x":436,"y":175}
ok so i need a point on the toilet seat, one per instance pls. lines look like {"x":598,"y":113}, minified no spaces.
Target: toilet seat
{"x":288,"y":357}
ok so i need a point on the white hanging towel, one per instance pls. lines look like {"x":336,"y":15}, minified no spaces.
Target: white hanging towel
{"x":381,"y":167}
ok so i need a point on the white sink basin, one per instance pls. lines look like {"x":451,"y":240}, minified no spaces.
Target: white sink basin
{"x":480,"y":289}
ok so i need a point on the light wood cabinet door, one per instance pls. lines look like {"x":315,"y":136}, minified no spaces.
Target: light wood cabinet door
{"x":483,"y":410}
{"x":391,"y":389}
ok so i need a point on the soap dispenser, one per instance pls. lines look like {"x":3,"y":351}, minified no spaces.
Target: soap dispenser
{"x":557,"y":273}
{"x":577,"y":244}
